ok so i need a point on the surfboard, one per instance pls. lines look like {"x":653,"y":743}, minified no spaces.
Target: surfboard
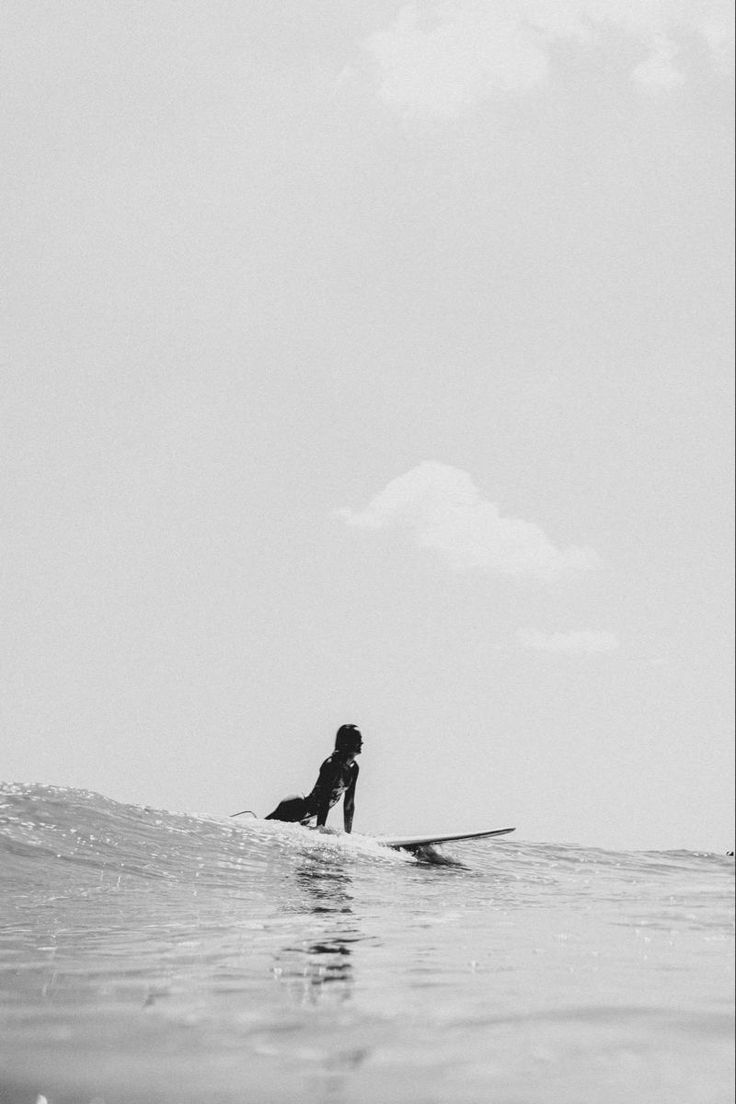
{"x":412,"y":843}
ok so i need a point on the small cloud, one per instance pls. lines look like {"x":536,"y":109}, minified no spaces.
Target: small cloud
{"x":439,"y":58}
{"x":577,"y":642}
{"x":444,"y":511}
{"x":442,"y":64}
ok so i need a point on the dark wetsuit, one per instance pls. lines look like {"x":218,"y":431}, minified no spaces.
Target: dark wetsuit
{"x":336,"y":777}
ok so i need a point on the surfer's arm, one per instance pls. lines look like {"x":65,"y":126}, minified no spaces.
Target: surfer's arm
{"x":323,"y":790}
{"x":348,"y":805}
{"x":322,"y":812}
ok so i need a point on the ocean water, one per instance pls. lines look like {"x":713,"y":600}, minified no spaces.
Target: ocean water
{"x":148,"y":957}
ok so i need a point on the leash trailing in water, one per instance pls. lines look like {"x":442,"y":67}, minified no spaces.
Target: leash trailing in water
{"x":243,"y":813}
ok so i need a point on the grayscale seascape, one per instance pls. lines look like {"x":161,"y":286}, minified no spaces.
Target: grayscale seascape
{"x":366,"y":367}
{"x":155,"y":958}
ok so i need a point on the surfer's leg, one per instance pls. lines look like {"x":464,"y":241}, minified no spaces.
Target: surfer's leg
{"x":290,"y":809}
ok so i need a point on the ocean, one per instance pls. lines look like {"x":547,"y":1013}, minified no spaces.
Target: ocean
{"x":150,"y":957}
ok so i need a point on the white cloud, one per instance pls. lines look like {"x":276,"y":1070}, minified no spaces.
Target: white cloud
{"x":577,"y":642}
{"x":441,"y":56}
{"x":439,"y":66}
{"x":444,"y":511}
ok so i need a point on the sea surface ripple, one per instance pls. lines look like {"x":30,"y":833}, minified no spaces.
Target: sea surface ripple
{"x":149,"y":957}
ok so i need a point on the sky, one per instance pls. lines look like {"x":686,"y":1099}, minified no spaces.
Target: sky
{"x":372,"y":363}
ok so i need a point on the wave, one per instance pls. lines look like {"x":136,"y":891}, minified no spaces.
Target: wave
{"x":50,"y":828}
{"x":44,"y":828}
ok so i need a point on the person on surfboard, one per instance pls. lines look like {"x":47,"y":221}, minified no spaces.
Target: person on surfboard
{"x":337,"y":776}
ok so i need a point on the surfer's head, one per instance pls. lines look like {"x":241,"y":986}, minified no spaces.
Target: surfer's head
{"x":349,"y":740}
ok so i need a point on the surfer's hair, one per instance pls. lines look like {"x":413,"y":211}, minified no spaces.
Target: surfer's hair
{"x":348,"y":738}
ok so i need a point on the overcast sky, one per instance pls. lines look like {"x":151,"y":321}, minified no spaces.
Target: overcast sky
{"x":371,"y":362}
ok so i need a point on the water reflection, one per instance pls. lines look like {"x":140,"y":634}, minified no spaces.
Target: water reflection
{"x":323,"y":962}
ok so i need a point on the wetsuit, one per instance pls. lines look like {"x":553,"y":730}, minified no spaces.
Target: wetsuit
{"x":336,"y":777}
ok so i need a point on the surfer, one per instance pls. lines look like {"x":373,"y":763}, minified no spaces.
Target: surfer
{"x":337,"y":776}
